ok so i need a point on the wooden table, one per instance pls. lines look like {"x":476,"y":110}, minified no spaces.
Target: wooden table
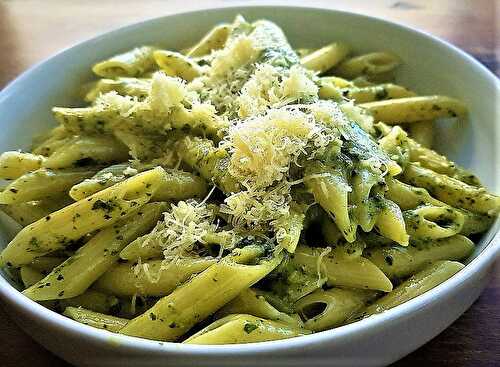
{"x":31,"y":30}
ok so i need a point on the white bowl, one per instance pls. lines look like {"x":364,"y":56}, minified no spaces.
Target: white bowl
{"x":430,"y":66}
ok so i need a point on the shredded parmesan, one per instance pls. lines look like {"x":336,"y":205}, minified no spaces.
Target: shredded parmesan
{"x":239,"y":52}
{"x":256,"y":208}
{"x":181,"y":228}
{"x":263,"y":147}
{"x":125,"y":105}
{"x":272,"y":87}
{"x":166,"y":92}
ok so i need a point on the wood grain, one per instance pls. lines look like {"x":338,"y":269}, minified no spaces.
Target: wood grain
{"x":31,"y":31}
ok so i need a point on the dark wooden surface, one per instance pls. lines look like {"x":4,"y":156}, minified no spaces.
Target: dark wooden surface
{"x":33,"y":30}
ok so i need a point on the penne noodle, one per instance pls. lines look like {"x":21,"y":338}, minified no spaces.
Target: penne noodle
{"x":413,"y":109}
{"x":72,"y":222}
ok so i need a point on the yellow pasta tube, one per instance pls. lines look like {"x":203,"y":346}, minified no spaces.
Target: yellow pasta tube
{"x":136,"y":87}
{"x":399,"y":262}
{"x":132,"y":63}
{"x":410,"y":197}
{"x":326,"y":57}
{"x":390,"y":222}
{"x":239,"y":329}
{"x":432,"y":222}
{"x":29,"y":275}
{"x":58,"y":132}
{"x":438,"y":163}
{"x":395,"y":144}
{"x":46,"y":264}
{"x":337,"y":81}
{"x":420,"y":283}
{"x":324,"y":310}
{"x":56,"y":138}
{"x":342,"y":270}
{"x":15,"y":164}
{"x":452,"y":191}
{"x":428,"y":158}
{"x":328,"y":90}
{"x":252,"y":303}
{"x":79,"y":271}
{"x":95,"y":319}
{"x":368,"y":64}
{"x":31,"y":211}
{"x":209,"y":161}
{"x":146,"y":247}
{"x":176,"y":64}
{"x":175,"y":184}
{"x":289,"y":227}
{"x":331,"y":189}
{"x":376,"y":93}
{"x":43,"y":184}
{"x":422,"y":132}
{"x":150,"y":278}
{"x":176,"y":313}
{"x":151,"y":116}
{"x":70,"y":223}
{"x":407,"y":196}
{"x":475,"y":223}
{"x":91,"y":300}
{"x":213,"y":40}
{"x":87,"y":150}
{"x":147,"y":147}
{"x":364,"y":207}
{"x":413,"y":109}
{"x":274,"y":46}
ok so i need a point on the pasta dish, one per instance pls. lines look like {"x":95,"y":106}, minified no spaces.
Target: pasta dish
{"x":240,"y":190}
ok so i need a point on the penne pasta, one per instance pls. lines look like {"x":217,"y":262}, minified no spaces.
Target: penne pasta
{"x":368,"y":64}
{"x":452,"y":191}
{"x":236,"y":329}
{"x":95,"y":319}
{"x":397,"y":262}
{"x":15,"y":164}
{"x":78,"y":272}
{"x":413,"y":109}
{"x":133,"y":63}
{"x":176,"y":313}
{"x":240,"y":190}
{"x":326,"y":309}
{"x":425,"y":280}
{"x":29,"y":212}
{"x":43,"y":184}
{"x":72,"y":222}
{"x":87,"y":151}
{"x":150,"y":278}
{"x":342,"y":270}
{"x":213,"y":40}
{"x":176,"y":64}
{"x":326,"y":57}
{"x":251,"y":302}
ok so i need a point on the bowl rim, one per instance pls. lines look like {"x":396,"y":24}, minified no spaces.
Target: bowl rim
{"x":482,"y":261}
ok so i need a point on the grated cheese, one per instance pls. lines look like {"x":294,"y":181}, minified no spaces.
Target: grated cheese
{"x":166,"y":93}
{"x":272,"y":87}
{"x":263,"y":147}
{"x":256,"y":208}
